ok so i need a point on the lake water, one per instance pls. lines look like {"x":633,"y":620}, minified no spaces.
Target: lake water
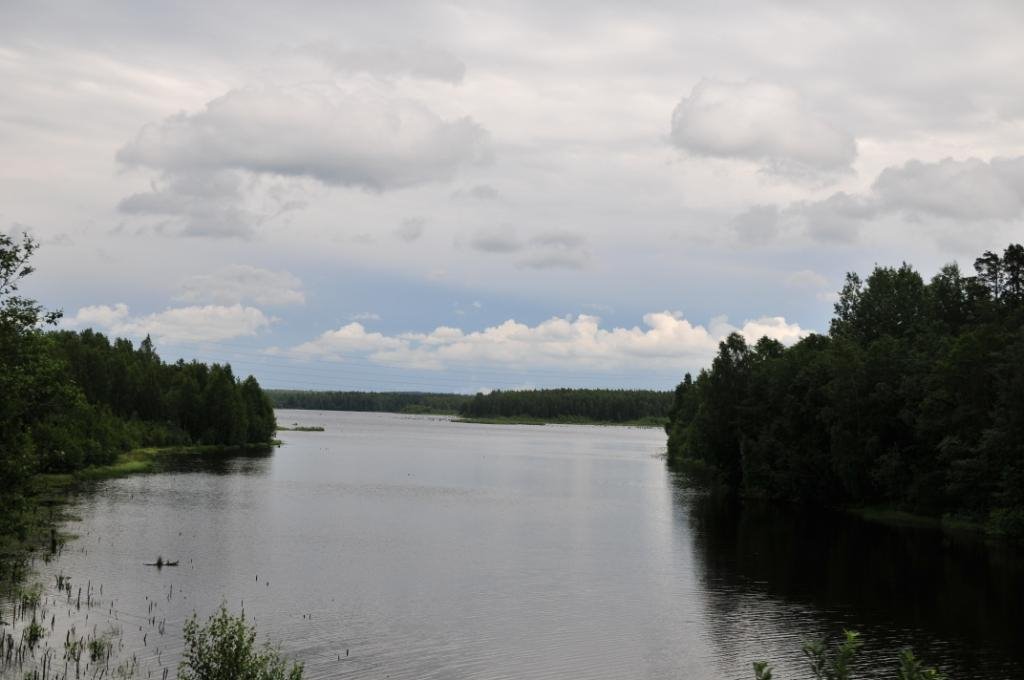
{"x":394,"y":546}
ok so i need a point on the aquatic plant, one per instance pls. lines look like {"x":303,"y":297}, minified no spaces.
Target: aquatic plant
{"x":837,"y":664}
{"x":99,"y":648}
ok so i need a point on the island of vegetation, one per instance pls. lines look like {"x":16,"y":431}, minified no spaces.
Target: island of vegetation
{"x":78,"y":403}
{"x":533,"y":407}
{"x":912,"y":403}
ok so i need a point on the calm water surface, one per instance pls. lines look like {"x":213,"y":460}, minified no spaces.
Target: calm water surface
{"x":432,"y":549}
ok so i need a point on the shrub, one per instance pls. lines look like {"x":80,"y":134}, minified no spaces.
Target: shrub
{"x":224,"y":649}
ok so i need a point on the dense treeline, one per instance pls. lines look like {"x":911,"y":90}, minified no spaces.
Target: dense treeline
{"x":70,"y":400}
{"x":384,"y":402}
{"x":611,"y":406}
{"x":914,"y":400}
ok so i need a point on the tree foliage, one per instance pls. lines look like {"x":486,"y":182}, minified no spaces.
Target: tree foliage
{"x":914,"y":400}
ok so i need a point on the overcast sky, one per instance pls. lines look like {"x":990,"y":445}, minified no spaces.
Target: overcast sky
{"x":474,"y":195}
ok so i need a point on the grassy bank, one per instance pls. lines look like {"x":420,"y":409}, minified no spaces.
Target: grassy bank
{"x":564,"y":420}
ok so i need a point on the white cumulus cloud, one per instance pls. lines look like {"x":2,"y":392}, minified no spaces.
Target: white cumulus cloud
{"x":177,"y":324}
{"x":666,"y":340}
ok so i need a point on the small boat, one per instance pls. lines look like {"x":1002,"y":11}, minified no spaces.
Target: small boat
{"x":160,"y":563}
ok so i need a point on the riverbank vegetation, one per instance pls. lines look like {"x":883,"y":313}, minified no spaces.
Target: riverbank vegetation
{"x":382,"y":402}
{"x":912,"y":402}
{"x":72,"y":401}
{"x":524,"y":407}
{"x":647,"y":407}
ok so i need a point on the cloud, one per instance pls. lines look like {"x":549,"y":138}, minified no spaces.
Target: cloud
{"x":758,"y":224}
{"x":414,"y":62}
{"x":206,"y":203}
{"x":209,"y":323}
{"x":479,"y":192}
{"x":666,"y":340}
{"x":98,"y":316}
{"x":212,"y":164}
{"x":367,"y":138}
{"x":556,"y":249}
{"x":956,"y":191}
{"x":970,"y":189}
{"x":496,"y":240}
{"x":410,"y":230}
{"x":760,"y":122}
{"x":243,"y":283}
{"x":806,"y":279}
{"x":365,"y":316}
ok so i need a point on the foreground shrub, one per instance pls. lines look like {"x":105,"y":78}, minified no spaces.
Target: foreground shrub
{"x":838,"y":664}
{"x":224,"y":649}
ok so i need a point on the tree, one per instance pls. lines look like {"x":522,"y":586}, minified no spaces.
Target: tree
{"x":990,"y":272}
{"x":30,"y":378}
{"x":1013,"y":274}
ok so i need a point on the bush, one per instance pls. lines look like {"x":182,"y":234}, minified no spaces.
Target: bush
{"x":225,"y":649}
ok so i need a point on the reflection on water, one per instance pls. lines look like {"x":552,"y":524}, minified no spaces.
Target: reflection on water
{"x":956,"y":599}
{"x":432,"y":549}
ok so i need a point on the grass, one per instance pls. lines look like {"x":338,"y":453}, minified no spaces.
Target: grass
{"x":144,"y":459}
{"x":562,"y":420}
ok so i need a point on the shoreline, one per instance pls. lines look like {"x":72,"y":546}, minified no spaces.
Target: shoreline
{"x":526,"y":420}
{"x":47,"y":494}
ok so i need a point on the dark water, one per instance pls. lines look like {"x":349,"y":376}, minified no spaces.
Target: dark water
{"x":431,"y":549}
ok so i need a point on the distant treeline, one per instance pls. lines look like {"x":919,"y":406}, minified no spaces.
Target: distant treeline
{"x":608,"y":406}
{"x":914,"y":400}
{"x":384,"y":402}
{"x":580,"y":405}
{"x":74,"y":399}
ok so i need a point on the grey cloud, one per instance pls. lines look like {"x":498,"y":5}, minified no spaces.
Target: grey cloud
{"x":837,"y":218}
{"x":411,"y":229}
{"x":954,"y":191}
{"x":243,"y":284}
{"x":200,"y":204}
{"x":758,"y":224}
{"x":971,"y":189}
{"x":372,"y":140}
{"x":761,"y":122}
{"x":496,"y":240}
{"x":417,"y":62}
{"x":555,"y":249}
{"x":479,"y":192}
{"x":559,"y":239}
{"x":555,"y":260}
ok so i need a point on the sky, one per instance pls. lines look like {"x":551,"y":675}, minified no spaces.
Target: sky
{"x":466,"y":196}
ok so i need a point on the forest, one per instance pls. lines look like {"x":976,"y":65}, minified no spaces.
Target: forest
{"x":385,"y":402}
{"x":69,"y":400}
{"x":550,"y":405}
{"x":913,"y":401}
{"x":581,"y":405}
